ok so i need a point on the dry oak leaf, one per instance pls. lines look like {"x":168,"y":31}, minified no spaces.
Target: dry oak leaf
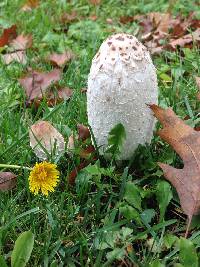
{"x":8,"y":35}
{"x":36,"y":83}
{"x":8,"y":181}
{"x":60,"y":59}
{"x":45,"y":138}
{"x":186,"y":142}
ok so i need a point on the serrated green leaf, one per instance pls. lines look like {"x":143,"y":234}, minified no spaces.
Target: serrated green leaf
{"x":115,"y":139}
{"x":163,"y":196}
{"x":22,"y":249}
{"x":187,"y":255}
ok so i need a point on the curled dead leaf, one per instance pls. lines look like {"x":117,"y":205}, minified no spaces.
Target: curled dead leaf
{"x":8,"y":181}
{"x":45,"y":138}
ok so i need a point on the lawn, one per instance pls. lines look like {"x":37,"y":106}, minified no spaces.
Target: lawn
{"x":109,"y":213}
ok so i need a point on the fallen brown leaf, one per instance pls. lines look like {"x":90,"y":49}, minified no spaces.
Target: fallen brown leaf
{"x":8,"y":35}
{"x":44,"y":137}
{"x":60,"y":59}
{"x":186,"y":142}
{"x":86,"y":152}
{"x":22,"y":42}
{"x":161,"y":31}
{"x":83,"y":132}
{"x":69,"y":17}
{"x":72,"y":175}
{"x":8,"y":180}
{"x":18,"y":45}
{"x":19,"y":56}
{"x":36,"y":83}
{"x":126,"y":19}
{"x":30,"y":4}
{"x":186,"y":40}
{"x":62,"y":94}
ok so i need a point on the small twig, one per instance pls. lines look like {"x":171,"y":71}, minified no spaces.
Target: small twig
{"x":188,"y":225}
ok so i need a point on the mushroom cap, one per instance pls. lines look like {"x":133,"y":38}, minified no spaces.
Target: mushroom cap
{"x":122,"y":81}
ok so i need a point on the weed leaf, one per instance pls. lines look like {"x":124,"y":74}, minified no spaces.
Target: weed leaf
{"x":163,"y":195}
{"x":22,"y":249}
{"x":115,"y":139}
{"x":188,"y":256}
{"x":132,"y":195}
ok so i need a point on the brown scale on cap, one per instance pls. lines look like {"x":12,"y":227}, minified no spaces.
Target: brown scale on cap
{"x":120,"y":38}
{"x":124,"y":47}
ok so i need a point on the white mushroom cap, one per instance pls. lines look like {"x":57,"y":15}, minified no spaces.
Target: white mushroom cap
{"x":122,"y":81}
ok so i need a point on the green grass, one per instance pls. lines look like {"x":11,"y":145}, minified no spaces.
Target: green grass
{"x":93,"y":222}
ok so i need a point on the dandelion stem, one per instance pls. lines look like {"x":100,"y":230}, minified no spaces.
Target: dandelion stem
{"x":14,"y":167}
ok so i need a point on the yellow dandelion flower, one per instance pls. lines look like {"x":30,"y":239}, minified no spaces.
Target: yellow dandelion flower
{"x":44,"y":176}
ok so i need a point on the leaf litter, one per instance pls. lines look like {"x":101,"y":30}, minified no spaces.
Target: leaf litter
{"x":161,"y":31}
{"x":45,"y":139}
{"x":36,"y":83}
{"x":17,"y":49}
{"x":186,"y":142}
{"x":8,"y":181}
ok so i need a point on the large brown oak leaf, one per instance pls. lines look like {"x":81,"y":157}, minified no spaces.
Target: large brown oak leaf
{"x":186,"y":142}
